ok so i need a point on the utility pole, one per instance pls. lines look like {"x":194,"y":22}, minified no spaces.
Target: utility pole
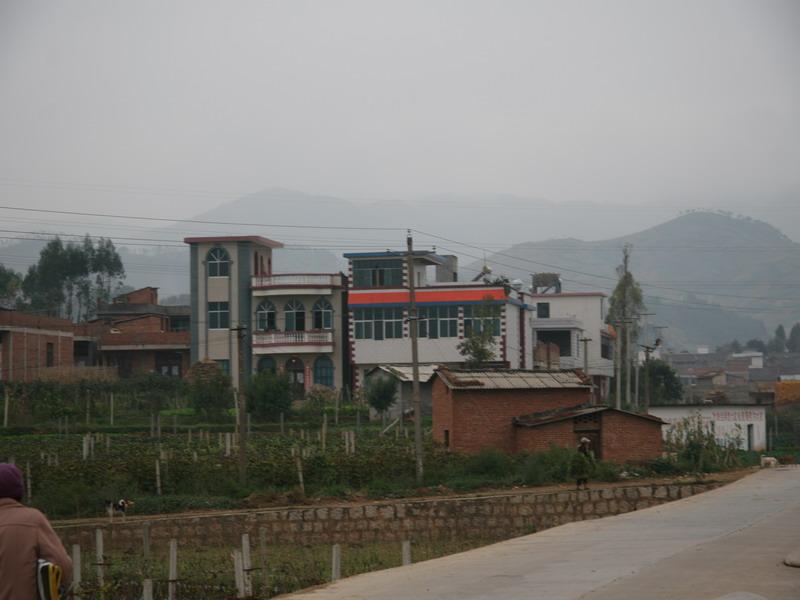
{"x":585,"y":342}
{"x":412,"y":326}
{"x":241,"y":334}
{"x":647,"y":351}
{"x":618,"y":367}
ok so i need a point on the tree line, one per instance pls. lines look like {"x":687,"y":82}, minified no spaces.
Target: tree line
{"x":778,"y":344}
{"x":69,"y":280}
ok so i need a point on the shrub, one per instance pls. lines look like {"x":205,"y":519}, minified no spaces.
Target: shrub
{"x":489,"y":462}
{"x":269,"y":394}
{"x":606,"y":470}
{"x":210,"y":391}
{"x":551,"y":466}
{"x":381,"y":393}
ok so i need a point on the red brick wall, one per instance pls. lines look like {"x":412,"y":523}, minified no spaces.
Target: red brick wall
{"x":148,"y":323}
{"x":24,"y":353}
{"x":143,"y":296}
{"x":536,"y":439}
{"x":482,"y":419}
{"x":628,"y":438}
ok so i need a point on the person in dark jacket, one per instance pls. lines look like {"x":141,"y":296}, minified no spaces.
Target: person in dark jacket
{"x":583,"y":464}
{"x":25,"y":537}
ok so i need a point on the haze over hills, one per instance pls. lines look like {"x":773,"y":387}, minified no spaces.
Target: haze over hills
{"x":709,"y":278}
{"x":705,"y":274}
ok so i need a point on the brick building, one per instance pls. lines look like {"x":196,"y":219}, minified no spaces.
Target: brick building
{"x":474,"y":410}
{"x":516,"y":410}
{"x":616,"y":435}
{"x":137,"y":335}
{"x":31,"y":344}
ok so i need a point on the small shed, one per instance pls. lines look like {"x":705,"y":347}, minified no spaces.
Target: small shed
{"x":403,"y":375}
{"x":475,"y":409}
{"x":617,"y":435}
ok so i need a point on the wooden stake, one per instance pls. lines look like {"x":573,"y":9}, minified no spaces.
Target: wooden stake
{"x":173,"y":569}
{"x":227,"y":444}
{"x":336,"y":563}
{"x":174,"y":424}
{"x":406,"y":552}
{"x":238,"y":573}
{"x":324,"y":433}
{"x":262,"y":543}
{"x":147,"y":589}
{"x":28,"y":480}
{"x":247,"y":565}
{"x":299,"y":464}
{"x":7,"y":402}
{"x":281,"y":423}
{"x":98,"y":543}
{"x":111,"y":409}
{"x":158,"y":477}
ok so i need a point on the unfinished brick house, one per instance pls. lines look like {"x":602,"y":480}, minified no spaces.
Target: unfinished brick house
{"x":31,"y":344}
{"x":517,"y":410}
{"x":137,"y":335}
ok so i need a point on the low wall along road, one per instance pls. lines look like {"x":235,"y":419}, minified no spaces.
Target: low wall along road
{"x":491,"y":517}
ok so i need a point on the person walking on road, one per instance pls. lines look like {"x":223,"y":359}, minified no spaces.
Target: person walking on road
{"x":583,"y":464}
{"x":25,"y":537}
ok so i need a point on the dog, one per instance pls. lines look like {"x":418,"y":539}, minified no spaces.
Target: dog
{"x":119,"y":507}
{"x":768,"y":462}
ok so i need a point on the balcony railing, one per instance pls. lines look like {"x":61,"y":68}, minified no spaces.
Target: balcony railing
{"x":297,"y":280}
{"x":288,"y":338}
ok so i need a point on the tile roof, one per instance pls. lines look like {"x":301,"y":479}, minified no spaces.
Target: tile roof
{"x":405,"y":372}
{"x":511,"y":379}
{"x":571,"y":412}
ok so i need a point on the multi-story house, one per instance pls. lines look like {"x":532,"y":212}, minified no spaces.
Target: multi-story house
{"x":448,"y":311}
{"x":566,"y":319}
{"x":288,"y":322}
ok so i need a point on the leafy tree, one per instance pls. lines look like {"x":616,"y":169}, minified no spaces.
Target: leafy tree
{"x":210,"y":390}
{"x":793,"y":343}
{"x":269,"y":394}
{"x":382,"y":393}
{"x":756,"y":345}
{"x":777,"y":344}
{"x":665,"y":385}
{"x":477,"y":347}
{"x":10,"y":286}
{"x":69,"y":280}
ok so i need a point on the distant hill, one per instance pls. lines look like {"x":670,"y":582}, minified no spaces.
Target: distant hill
{"x":708,"y":277}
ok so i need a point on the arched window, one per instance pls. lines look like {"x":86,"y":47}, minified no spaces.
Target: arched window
{"x":218,"y":262}
{"x":323,"y":371}
{"x":265,"y":316}
{"x":295,"y":316}
{"x":323,"y":314}
{"x":266,"y":363}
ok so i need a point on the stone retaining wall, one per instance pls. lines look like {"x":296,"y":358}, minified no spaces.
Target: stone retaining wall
{"x":492,"y":517}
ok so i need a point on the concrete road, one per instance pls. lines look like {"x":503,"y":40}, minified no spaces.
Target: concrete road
{"x":727,"y":543}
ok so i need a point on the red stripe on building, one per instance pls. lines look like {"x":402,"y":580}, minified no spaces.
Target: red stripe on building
{"x":357,"y":298}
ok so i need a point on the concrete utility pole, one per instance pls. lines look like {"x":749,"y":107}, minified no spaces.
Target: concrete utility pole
{"x":647,"y":351}
{"x":585,"y":342}
{"x":241,"y":334}
{"x":412,"y":324}
{"x":618,"y":367}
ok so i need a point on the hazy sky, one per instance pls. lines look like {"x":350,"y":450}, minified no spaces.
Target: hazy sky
{"x":114,"y":105}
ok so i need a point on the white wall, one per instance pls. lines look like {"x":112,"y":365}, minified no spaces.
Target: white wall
{"x":725,"y":420}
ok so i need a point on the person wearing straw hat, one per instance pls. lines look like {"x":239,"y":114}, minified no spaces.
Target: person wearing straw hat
{"x":583,"y":463}
{"x":25,"y":537}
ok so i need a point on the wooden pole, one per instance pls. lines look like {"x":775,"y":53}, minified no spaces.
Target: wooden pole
{"x":336,"y":562}
{"x":28,"y":480}
{"x":147,"y":589}
{"x":98,"y":542}
{"x":262,"y":543}
{"x":158,"y":477}
{"x":238,"y":572}
{"x":299,"y":464}
{"x":6,"y":404}
{"x":406,"y":552}
{"x":173,"y":569}
{"x":247,"y":565}
{"x":111,"y":409}
{"x":282,"y":424}
{"x":324,"y":433}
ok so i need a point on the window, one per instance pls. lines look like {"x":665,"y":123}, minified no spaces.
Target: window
{"x":323,"y":314}
{"x":378,"y":323}
{"x":266,"y":363}
{"x":295,"y":316}
{"x":438,"y":321}
{"x":562,"y":338}
{"x":377,"y":273}
{"x":478,"y":316}
{"x":543,"y":310}
{"x":225,"y":365}
{"x":606,"y":348}
{"x":218,"y":262}
{"x":265,"y":316}
{"x":179,"y":323}
{"x":50,"y":358}
{"x":218,"y":315}
{"x":323,"y":371}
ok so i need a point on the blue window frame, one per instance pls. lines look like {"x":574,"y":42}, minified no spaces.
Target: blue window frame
{"x":323,"y":371}
{"x":265,"y":316}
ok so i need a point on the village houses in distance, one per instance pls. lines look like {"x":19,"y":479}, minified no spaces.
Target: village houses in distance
{"x":547,"y":383}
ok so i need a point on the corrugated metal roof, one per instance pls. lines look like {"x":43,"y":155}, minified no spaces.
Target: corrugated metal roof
{"x":405,"y":373}
{"x":511,"y":379}
{"x":572,"y":412}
